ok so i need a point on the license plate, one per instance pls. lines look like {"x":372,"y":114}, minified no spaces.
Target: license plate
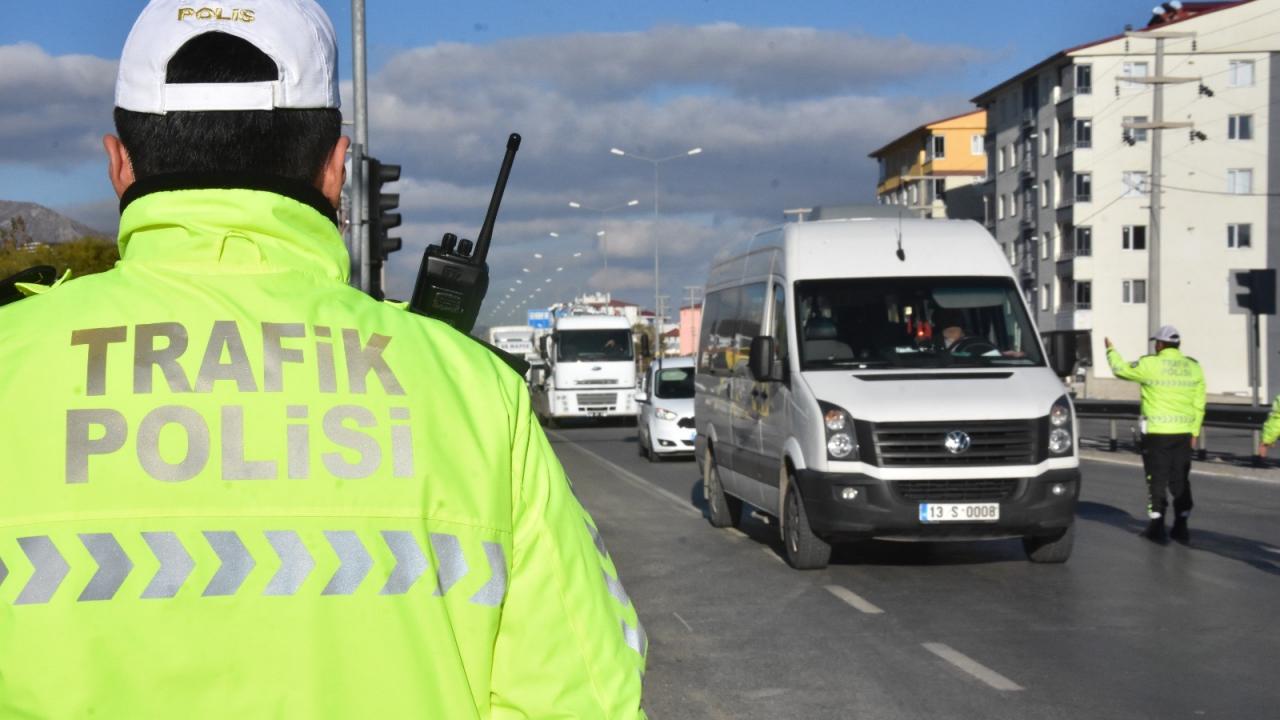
{"x":959,"y":512}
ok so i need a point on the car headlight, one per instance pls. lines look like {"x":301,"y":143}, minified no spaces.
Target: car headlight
{"x":1060,"y":439}
{"x":841,"y":443}
{"x":665,"y":414}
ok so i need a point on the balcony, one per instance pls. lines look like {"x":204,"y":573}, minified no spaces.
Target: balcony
{"x":1074,"y":316}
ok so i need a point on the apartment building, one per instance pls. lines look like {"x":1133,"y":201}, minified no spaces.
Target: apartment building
{"x":935,"y":169}
{"x":1068,"y":192}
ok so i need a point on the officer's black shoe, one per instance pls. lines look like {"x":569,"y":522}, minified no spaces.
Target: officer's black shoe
{"x":1155,"y":531}
{"x":1179,"y":531}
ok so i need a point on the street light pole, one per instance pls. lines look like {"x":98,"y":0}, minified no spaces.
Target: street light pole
{"x":601,"y":234}
{"x":657,"y":283}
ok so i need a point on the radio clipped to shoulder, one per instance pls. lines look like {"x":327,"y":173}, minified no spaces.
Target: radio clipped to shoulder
{"x":454,"y":275}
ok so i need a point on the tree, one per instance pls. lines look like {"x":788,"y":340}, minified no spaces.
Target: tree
{"x":86,"y":256}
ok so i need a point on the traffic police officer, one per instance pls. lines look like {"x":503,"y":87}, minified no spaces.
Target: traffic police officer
{"x":1173,"y":400}
{"x":1271,"y":429}
{"x":235,"y":487}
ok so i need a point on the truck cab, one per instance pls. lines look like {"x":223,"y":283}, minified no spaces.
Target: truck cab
{"x":590,"y":370}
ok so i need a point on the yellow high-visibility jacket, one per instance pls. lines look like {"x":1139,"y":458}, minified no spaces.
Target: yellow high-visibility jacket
{"x":1173,"y":391}
{"x":232,"y":486}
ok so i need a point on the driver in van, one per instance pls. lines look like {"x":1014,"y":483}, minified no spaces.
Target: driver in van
{"x":957,"y":340}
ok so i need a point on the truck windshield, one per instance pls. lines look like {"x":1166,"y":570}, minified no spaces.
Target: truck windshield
{"x":913,"y":322}
{"x":674,"y":383}
{"x":589,"y":345}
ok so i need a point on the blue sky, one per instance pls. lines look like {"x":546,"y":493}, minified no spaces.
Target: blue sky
{"x":782,"y":126}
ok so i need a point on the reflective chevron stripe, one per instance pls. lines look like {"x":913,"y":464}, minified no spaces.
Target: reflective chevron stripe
{"x":635,"y":637}
{"x":232,"y":562}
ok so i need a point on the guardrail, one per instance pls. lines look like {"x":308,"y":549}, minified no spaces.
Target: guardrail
{"x":1235,"y":417}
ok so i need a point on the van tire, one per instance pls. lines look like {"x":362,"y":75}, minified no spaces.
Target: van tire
{"x":722,"y":510}
{"x":804,"y":550}
{"x":1053,"y":549}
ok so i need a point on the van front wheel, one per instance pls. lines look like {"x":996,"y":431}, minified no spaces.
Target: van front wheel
{"x":1051,"y":549}
{"x":805,"y":551}
{"x":722,"y":510}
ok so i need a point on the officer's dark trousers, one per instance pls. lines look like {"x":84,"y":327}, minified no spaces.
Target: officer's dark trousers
{"x":1167,"y":460}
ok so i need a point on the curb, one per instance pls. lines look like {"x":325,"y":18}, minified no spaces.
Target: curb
{"x":1207,"y":468}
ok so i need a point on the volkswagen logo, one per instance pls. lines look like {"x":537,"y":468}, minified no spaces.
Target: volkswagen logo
{"x":958,"y":442}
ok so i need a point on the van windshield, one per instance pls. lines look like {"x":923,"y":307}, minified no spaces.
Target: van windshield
{"x":674,"y":383}
{"x":590,"y":345}
{"x":913,"y":322}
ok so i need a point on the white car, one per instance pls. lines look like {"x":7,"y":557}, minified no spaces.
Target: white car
{"x":664,"y":409}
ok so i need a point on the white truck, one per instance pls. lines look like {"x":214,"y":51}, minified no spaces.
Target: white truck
{"x":514,"y":339}
{"x":590,"y":370}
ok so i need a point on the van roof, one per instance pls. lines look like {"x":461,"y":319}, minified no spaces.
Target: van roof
{"x":862,"y":247}
{"x":592,"y":322}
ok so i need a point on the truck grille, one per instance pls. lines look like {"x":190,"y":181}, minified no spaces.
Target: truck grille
{"x":598,"y":382}
{"x":955,"y":490}
{"x":597,"y":399}
{"x":1001,"y":442}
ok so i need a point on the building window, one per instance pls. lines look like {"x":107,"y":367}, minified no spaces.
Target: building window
{"x":1135,"y":183}
{"x":1046,"y":193}
{"x":975,"y":145}
{"x":1239,"y":127}
{"x":940,"y":189}
{"x":1134,"y":292}
{"x":1084,"y":79}
{"x":1133,"y":70}
{"x":1044,"y":298}
{"x":938,"y":146}
{"x":1084,"y":295}
{"x":1046,"y":141}
{"x":1133,"y":237}
{"x":1002,"y":207}
{"x":1084,"y":187}
{"x":1137,"y":135}
{"x":1011,"y":252}
{"x":914,"y":197}
{"x":1000,"y":159}
{"x":1084,"y":240}
{"x":1084,"y":133}
{"x":1238,"y":235}
{"x":1241,"y":73}
{"x":1046,"y":246}
{"x":1013,"y":204}
{"x":1240,"y":181}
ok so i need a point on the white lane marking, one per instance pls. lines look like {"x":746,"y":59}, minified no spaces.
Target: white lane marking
{"x":972,"y":667}
{"x":772,"y":555}
{"x":631,"y":477}
{"x":1110,"y":458}
{"x":853,"y":599}
{"x":682,"y":622}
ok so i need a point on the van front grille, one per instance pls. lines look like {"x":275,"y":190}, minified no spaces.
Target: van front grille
{"x":955,"y":490}
{"x":1001,"y":442}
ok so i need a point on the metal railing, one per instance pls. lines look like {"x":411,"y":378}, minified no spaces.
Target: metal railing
{"x":1233,"y":417}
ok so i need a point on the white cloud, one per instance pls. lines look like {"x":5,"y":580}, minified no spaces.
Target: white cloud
{"x":55,"y":109}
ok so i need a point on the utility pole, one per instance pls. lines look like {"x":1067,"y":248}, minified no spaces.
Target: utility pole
{"x":360,"y":148}
{"x":1157,"y":80}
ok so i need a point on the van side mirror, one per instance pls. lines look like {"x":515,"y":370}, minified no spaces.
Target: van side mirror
{"x":763,"y":365}
{"x":646,"y":350}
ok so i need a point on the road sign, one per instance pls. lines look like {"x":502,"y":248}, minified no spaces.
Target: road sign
{"x":540,"y":319}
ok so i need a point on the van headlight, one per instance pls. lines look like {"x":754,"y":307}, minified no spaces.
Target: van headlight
{"x":665,"y":414}
{"x":1060,"y":439}
{"x":841,"y":443}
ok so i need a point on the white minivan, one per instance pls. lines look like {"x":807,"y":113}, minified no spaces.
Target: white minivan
{"x":881,"y":378}
{"x":664,"y":410}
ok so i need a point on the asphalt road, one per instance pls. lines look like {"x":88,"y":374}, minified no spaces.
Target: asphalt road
{"x":1125,"y":629}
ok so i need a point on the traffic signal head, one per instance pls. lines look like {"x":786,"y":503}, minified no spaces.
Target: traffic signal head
{"x":380,"y":207}
{"x":1254,"y":291}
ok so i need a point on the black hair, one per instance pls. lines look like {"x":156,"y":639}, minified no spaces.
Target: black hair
{"x":292,"y":144}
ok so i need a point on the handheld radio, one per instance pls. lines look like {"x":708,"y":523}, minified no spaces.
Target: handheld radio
{"x":454,"y":277}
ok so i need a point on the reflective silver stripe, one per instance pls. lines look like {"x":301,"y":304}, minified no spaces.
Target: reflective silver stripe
{"x":113,"y":567}
{"x":451,"y":564}
{"x":616,"y":589}
{"x":95,"y":380}
{"x":50,"y":570}
{"x":635,"y":638}
{"x":595,"y":537}
{"x":496,"y":589}
{"x":175,"y":565}
{"x":411,"y":562}
{"x":237,"y":563}
{"x":362,"y":360}
{"x":225,"y":336}
{"x":356,"y":562}
{"x":296,"y":563}
{"x":115,"y":431}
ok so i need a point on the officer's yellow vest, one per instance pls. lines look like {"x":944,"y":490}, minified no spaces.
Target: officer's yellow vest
{"x":231,"y":486}
{"x":1173,"y":391}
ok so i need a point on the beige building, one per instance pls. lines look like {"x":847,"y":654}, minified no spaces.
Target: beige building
{"x":933,"y":169}
{"x":1069,"y":184}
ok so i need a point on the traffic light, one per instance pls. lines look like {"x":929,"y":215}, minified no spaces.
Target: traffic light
{"x":1254,"y":291}
{"x":381,"y":219}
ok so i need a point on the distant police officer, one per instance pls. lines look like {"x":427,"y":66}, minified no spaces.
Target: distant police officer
{"x":1173,"y":400}
{"x":233,"y":486}
{"x":1271,"y":430}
